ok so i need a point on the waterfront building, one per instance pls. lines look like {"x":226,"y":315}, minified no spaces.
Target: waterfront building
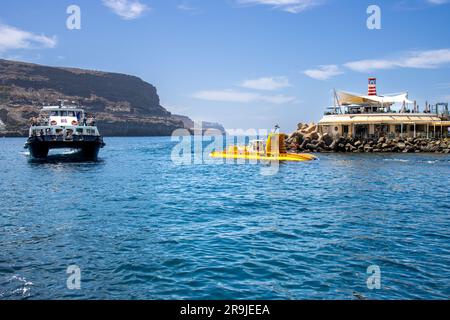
{"x":392,"y":116}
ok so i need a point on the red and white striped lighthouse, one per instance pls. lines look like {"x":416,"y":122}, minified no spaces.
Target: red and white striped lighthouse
{"x":372,"y":87}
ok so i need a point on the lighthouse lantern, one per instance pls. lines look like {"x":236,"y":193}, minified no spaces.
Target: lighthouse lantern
{"x":372,"y":91}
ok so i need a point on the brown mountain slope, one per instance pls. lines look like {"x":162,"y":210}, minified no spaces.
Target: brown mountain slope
{"x":124,"y":105}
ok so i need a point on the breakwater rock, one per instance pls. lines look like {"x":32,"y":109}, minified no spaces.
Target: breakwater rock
{"x":308,"y":138}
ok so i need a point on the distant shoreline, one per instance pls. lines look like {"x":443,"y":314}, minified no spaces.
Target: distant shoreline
{"x":108,"y":136}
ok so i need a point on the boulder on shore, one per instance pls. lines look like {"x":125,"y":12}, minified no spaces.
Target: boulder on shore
{"x":307,"y":138}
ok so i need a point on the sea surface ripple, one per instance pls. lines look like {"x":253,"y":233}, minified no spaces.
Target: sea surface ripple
{"x":142,"y":227}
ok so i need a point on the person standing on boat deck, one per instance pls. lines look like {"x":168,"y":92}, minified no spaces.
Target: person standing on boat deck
{"x":33,"y":121}
{"x":91,"y":120}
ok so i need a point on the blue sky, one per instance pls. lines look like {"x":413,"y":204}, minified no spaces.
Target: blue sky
{"x":243,"y":63}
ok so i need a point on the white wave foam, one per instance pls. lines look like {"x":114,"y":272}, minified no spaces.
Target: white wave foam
{"x":396,"y":160}
{"x":24,"y":287}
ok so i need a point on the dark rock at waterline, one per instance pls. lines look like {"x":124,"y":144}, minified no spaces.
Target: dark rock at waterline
{"x":327,"y":139}
{"x":308,"y":139}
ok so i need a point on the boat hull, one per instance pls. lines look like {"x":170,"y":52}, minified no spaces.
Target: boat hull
{"x":261,"y":157}
{"x":88,"y":146}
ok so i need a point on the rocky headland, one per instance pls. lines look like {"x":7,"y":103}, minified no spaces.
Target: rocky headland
{"x":307,"y":138}
{"x":124,"y":105}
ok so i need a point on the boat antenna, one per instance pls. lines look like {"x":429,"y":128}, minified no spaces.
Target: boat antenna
{"x":61,"y":102}
{"x":277,"y":128}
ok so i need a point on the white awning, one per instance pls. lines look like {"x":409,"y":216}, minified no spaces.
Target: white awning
{"x":346,"y":98}
{"x":381,"y":119}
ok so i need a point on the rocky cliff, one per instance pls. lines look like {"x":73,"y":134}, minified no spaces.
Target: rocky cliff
{"x":124,"y":105}
{"x":204,"y":125}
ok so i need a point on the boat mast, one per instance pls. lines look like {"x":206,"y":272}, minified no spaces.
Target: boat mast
{"x":336,"y":101}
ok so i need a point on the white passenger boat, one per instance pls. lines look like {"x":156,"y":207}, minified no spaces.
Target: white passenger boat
{"x":59,"y":127}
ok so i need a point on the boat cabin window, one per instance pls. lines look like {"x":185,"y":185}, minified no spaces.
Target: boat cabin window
{"x":59,"y":132}
{"x":79,"y":131}
{"x":361,"y":130}
{"x":381,"y":129}
{"x":66,"y":113}
{"x":257,"y":145}
{"x":345,"y":129}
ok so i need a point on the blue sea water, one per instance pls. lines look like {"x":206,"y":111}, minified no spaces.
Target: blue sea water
{"x":141,"y":227}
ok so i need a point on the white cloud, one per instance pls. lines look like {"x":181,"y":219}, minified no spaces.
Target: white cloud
{"x":323,"y":72}
{"x":443,"y":85}
{"x":185,"y":7}
{"x":266,"y":83}
{"x":292,"y":6}
{"x":242,"y":97}
{"x":437,"y":1}
{"x":418,"y":59}
{"x":12,"y":38}
{"x":126,"y":9}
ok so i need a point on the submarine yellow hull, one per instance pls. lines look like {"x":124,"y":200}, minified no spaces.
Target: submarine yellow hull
{"x":263,"y":157}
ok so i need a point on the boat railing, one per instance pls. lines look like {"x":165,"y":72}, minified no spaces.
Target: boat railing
{"x":442,"y":115}
{"x":67,"y":133}
{"x":42,"y":123}
{"x":44,"y":120}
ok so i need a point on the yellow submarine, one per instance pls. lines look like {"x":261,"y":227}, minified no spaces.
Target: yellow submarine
{"x":274,"y":149}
